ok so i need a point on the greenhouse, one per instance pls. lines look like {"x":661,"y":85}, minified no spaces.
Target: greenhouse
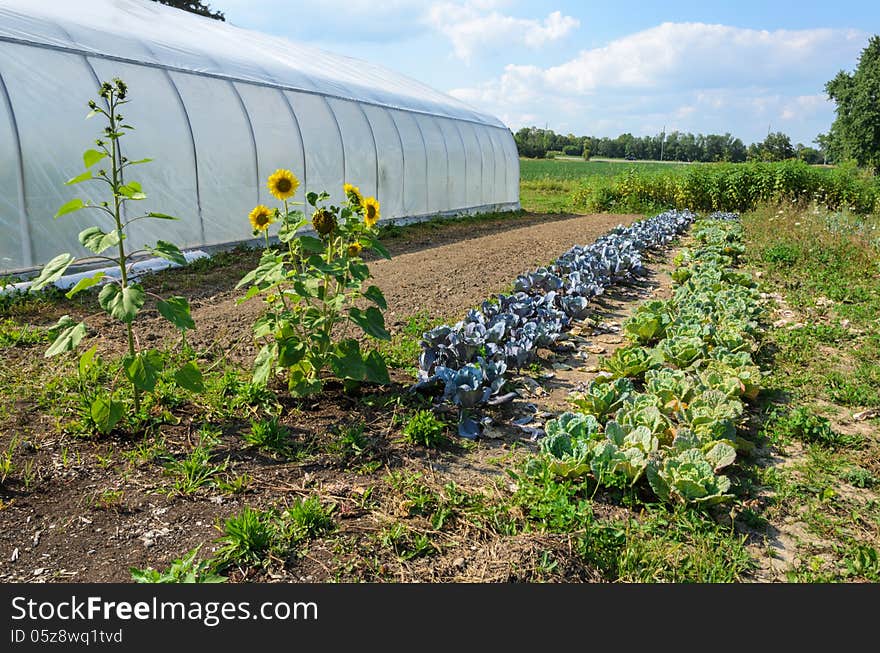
{"x":218,"y":109}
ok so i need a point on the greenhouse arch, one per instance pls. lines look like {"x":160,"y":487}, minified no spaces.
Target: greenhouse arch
{"x":219,"y":108}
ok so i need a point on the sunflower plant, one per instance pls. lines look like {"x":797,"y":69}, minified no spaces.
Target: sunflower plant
{"x":120,"y":296}
{"x":313,"y":287}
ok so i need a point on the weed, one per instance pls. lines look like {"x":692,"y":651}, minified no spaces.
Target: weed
{"x":405,"y":543}
{"x":234,"y":484}
{"x":859,"y":477}
{"x":805,"y":425}
{"x":306,"y":519}
{"x":6,"y":464}
{"x":269,"y":436}
{"x":349,"y":443}
{"x":194,"y":471}
{"x":13,"y":334}
{"x":183,"y":570}
{"x":247,"y":538}
{"x":108,"y":499}
{"x":425,"y":429}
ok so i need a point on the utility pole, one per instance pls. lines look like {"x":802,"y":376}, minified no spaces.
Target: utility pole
{"x":662,"y":141}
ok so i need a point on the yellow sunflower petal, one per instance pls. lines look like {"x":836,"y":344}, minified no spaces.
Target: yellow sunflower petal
{"x":371,"y":211}
{"x":283,"y":184}
{"x":261,"y":217}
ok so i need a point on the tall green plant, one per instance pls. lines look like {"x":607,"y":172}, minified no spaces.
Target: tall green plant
{"x":121,"y":296}
{"x":311,"y":287}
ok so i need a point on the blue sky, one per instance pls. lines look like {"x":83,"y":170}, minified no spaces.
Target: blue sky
{"x":600,"y":68}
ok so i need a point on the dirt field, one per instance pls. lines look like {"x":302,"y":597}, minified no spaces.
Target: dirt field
{"x":95,"y":507}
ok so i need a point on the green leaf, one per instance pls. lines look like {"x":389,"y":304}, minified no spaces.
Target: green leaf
{"x":176,"y":310}
{"x":52,"y":271}
{"x":91,"y":157}
{"x":106,"y":413}
{"x":380,"y":248}
{"x":311,"y":244}
{"x":269,"y":271}
{"x":290,"y":227}
{"x":371,"y":321}
{"x":139,"y":161}
{"x":142,"y":369}
{"x":68,"y":337}
{"x":70,"y":207}
{"x":95,"y":240}
{"x":290,"y":353}
{"x":189,"y":377}
{"x":168,"y":251}
{"x":264,"y":363}
{"x":375,"y":295}
{"x":82,"y":284}
{"x":122,"y":304}
{"x":87,"y":360}
{"x":133,"y":191}
{"x":358,"y":270}
{"x":346,"y":361}
{"x":79,"y":178}
{"x":376,"y":370}
{"x":161,"y":216}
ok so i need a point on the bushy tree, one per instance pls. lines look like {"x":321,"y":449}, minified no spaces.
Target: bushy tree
{"x":194,"y":7}
{"x":856,"y":130}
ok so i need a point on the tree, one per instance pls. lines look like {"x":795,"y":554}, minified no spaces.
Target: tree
{"x":776,"y":147}
{"x":856,"y":129}
{"x":194,"y":7}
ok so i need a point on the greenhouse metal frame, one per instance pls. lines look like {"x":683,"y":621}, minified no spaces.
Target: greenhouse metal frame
{"x":219,"y":108}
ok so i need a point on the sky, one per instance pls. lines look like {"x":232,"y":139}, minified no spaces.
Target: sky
{"x":600,"y":68}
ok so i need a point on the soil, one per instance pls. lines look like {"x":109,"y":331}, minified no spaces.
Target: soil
{"x":87,"y":510}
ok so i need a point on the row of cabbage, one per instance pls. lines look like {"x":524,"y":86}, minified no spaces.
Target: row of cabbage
{"x":470,"y":360}
{"x":668,"y":405}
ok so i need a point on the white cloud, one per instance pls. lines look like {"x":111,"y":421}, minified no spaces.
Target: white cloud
{"x":474,"y":25}
{"x":698,"y":76}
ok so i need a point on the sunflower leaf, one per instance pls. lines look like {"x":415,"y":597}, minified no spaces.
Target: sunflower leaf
{"x":176,"y":310}
{"x":122,"y":303}
{"x":68,"y":338}
{"x":168,"y":251}
{"x":52,"y":271}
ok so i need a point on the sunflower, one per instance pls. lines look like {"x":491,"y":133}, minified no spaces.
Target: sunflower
{"x":323,"y":221}
{"x":371,"y":211}
{"x":283,"y":184}
{"x":353,"y":193}
{"x":261,"y":217}
{"x":355,"y":249}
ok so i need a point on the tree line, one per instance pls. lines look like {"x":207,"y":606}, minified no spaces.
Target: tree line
{"x":674,"y":146}
{"x":854,"y":135}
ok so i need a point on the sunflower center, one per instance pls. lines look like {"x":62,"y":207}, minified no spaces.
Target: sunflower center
{"x":371,"y":211}
{"x":283,"y":185}
{"x":262,"y":219}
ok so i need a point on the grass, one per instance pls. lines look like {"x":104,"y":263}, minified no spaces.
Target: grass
{"x":824,"y":366}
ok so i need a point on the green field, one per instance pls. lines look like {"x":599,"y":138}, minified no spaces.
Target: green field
{"x":577,"y":186}
{"x":546,"y":185}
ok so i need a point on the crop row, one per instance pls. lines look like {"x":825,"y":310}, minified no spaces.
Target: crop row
{"x":471,"y":358}
{"x":730,"y":187}
{"x":668,"y":405}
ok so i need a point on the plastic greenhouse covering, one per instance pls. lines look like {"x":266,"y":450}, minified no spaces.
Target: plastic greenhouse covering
{"x":219,"y":108}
